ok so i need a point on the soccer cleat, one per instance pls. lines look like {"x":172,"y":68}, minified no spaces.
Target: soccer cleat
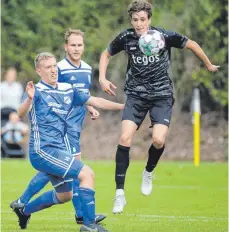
{"x":147,"y":186}
{"x":16,"y":204}
{"x":98,"y":218}
{"x":79,"y":220}
{"x":119,"y":204}
{"x":23,"y":219}
{"x":92,"y":228}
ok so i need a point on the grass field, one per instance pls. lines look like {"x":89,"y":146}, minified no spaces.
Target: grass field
{"x":184,"y":199}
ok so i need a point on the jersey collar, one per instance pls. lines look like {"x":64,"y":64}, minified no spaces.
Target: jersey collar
{"x":72,"y":64}
{"x":49,"y":86}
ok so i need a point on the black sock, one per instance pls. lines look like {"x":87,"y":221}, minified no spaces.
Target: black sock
{"x":154,"y":156}
{"x":122,"y":163}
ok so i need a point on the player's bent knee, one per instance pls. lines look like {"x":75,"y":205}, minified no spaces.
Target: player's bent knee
{"x":86,"y":173}
{"x":125,"y":140}
{"x":158,"y":142}
{"x":64,"y":197}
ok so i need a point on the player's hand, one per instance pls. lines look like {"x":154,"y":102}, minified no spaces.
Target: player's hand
{"x":30,"y":90}
{"x":93,"y":112}
{"x":213,"y":68}
{"x":107,"y":87}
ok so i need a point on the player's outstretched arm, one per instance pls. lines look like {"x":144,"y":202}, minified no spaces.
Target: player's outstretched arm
{"x":104,"y":104}
{"x":25,"y":107}
{"x":198,"y":51}
{"x":106,"y":85}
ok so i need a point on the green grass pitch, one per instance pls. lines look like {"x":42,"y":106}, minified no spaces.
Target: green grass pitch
{"x":184,"y":199}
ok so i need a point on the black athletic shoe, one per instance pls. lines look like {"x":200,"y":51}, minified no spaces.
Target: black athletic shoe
{"x":23,"y":219}
{"x":92,"y":228}
{"x":98,"y":218}
{"x":79,"y":220}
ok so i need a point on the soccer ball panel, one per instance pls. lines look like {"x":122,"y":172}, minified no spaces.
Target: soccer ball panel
{"x":151,"y":42}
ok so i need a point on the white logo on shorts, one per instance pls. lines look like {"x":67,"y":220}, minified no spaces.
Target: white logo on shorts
{"x":67,"y":158}
{"x":91,"y":203}
{"x":166,"y":120}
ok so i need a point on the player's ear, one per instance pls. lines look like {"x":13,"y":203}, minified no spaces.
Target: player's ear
{"x":65,"y":47}
{"x":38,"y":71}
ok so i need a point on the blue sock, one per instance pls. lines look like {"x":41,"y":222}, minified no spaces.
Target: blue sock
{"x":76,"y":198}
{"x":87,"y":197}
{"x":36,"y":184}
{"x":44,"y":201}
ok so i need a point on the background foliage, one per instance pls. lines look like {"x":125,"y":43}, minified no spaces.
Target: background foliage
{"x":29,"y":27}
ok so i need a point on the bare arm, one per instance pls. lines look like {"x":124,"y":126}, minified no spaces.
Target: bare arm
{"x":104,"y":104}
{"x":105,"y":84}
{"x":25,"y":107}
{"x":198,"y":51}
{"x":27,"y":104}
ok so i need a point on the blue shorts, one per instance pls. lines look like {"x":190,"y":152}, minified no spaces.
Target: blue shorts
{"x":66,"y":185}
{"x":61,"y":185}
{"x":72,"y":142}
{"x":61,"y":166}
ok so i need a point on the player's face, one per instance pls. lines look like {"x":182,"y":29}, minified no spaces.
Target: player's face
{"x":47,"y":70}
{"x":74,"y":48}
{"x":140,"y":22}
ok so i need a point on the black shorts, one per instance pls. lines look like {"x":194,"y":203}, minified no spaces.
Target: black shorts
{"x":160,"y":110}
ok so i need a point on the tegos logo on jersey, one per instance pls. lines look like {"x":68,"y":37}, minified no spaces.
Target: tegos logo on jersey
{"x":145,"y":60}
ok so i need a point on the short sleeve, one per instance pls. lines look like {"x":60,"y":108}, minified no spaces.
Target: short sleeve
{"x":80,"y":98}
{"x":117,"y":45}
{"x":174,"y":39}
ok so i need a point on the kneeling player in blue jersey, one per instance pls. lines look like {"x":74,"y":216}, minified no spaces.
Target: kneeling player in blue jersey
{"x":78,"y":73}
{"x":49,"y":105}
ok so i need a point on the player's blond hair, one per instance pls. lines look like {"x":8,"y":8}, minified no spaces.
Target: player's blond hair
{"x":140,"y":5}
{"x":42,"y":56}
{"x":72,"y":31}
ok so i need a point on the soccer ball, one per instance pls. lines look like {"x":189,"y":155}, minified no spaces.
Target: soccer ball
{"x":151,"y":42}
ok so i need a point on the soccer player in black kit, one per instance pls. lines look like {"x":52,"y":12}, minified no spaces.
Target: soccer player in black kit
{"x":148,"y":88}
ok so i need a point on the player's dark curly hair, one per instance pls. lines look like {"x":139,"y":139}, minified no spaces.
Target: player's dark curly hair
{"x":140,"y":5}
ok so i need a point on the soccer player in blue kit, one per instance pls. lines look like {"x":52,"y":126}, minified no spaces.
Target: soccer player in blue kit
{"x":78,"y":73}
{"x":148,"y":88}
{"x":50,"y":104}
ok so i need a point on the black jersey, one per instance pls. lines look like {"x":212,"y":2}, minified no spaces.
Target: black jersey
{"x":147,"y":76}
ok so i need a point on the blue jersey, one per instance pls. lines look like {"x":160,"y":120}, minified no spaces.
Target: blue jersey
{"x":49,"y":115}
{"x":79,"y":77}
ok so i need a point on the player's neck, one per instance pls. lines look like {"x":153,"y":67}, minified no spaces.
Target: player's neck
{"x":53,"y":85}
{"x":74,"y":62}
